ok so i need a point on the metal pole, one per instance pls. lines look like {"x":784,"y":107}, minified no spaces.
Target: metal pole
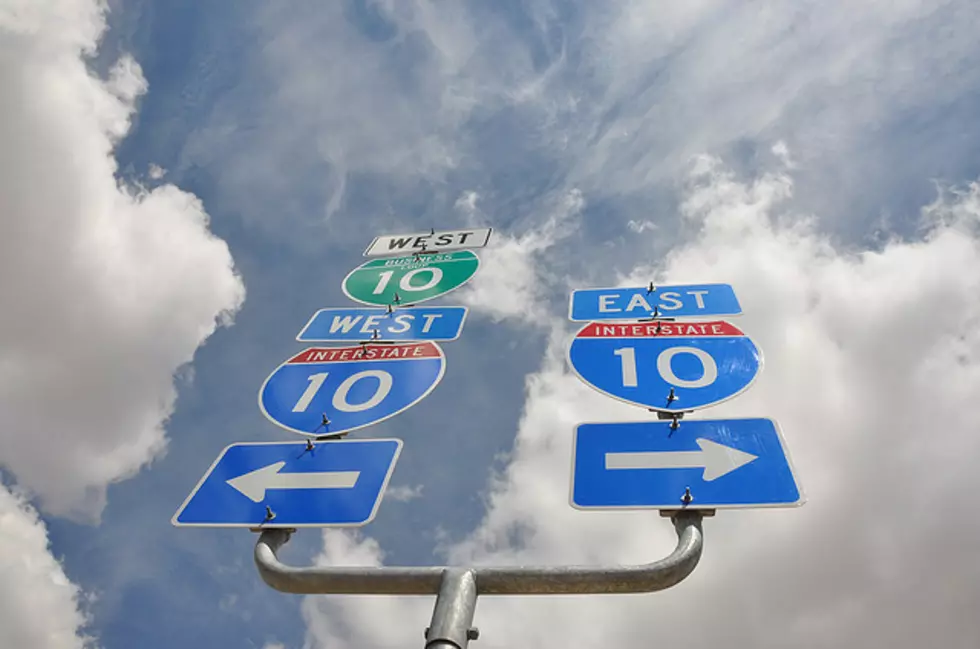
{"x":340,"y":580}
{"x":452,"y":617}
{"x":457,"y":588}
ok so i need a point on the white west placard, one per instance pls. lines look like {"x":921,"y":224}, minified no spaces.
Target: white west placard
{"x":432,"y":241}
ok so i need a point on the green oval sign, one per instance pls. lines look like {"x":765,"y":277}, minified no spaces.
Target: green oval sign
{"x":414,"y":279}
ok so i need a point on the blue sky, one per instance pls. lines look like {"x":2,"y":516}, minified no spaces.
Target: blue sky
{"x":819,"y":156}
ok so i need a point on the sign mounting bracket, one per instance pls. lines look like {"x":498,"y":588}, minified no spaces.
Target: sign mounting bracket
{"x":457,"y":588}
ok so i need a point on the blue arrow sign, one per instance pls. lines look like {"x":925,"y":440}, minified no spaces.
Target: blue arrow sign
{"x":724,"y":463}
{"x":324,"y":390}
{"x":670,"y":367}
{"x":408,"y":324}
{"x":683,"y":301}
{"x":334,"y":483}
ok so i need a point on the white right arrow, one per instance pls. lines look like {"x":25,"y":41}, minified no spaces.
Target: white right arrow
{"x":716,"y":459}
{"x":255,"y":483}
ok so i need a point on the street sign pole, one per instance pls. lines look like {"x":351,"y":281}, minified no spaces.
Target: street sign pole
{"x":457,"y":588}
{"x":275,"y":488}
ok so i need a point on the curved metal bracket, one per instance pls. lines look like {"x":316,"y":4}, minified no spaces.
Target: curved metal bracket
{"x":457,"y":588}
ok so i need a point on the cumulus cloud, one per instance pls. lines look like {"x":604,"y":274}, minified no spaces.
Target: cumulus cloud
{"x":39,"y":607}
{"x":332,"y":622}
{"x":871,"y":372}
{"x":403,"y":493}
{"x":509,"y":283}
{"x":108,"y":288}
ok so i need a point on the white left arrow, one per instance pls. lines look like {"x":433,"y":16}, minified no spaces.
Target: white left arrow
{"x":254,"y":484}
{"x":716,"y":459}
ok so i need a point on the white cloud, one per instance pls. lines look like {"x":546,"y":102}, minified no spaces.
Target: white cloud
{"x":331,"y":622}
{"x":467,"y":202}
{"x":614,"y":100}
{"x":509,"y":284}
{"x":641,"y":226}
{"x":39,"y":607}
{"x":872,"y":372}
{"x":359,"y":126}
{"x":681,"y":79}
{"x":107,"y":289}
{"x":403,"y":493}
{"x":156,"y":172}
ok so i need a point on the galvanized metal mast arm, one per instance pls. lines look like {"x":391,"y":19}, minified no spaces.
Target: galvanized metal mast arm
{"x":339,"y":580}
{"x":646,"y":578}
{"x":511,"y":580}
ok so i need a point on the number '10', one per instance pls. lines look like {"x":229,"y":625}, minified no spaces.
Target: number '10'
{"x":627,"y":360}
{"x":405,"y":283}
{"x":339,"y":400}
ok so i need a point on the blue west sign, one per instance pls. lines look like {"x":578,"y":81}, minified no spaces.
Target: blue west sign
{"x":288,"y":484}
{"x":406,"y":324}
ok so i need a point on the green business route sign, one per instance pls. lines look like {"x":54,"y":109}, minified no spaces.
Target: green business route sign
{"x":414,"y":279}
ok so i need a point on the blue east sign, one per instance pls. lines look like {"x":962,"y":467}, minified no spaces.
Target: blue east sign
{"x":670,"y":367}
{"x":401,"y":325}
{"x":680,"y":301}
{"x":695,"y":464}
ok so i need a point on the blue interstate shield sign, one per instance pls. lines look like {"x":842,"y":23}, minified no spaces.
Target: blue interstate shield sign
{"x":665,"y":366}
{"x":682,"y":301}
{"x":702,"y":463}
{"x":325,"y":390}
{"x":289,"y":484}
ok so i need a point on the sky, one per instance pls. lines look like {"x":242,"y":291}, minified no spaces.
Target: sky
{"x":183,"y":184}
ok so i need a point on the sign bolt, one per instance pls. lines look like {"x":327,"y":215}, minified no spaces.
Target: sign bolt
{"x":675,"y":422}
{"x":269,"y":514}
{"x":687,"y":497}
{"x":671,"y":397}
{"x":324,"y":424}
